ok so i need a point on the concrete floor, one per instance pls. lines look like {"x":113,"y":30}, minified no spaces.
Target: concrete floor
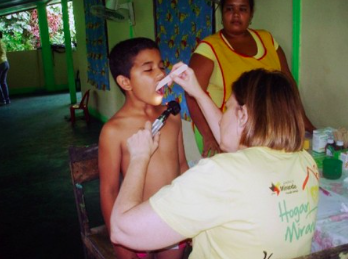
{"x":37,"y":211}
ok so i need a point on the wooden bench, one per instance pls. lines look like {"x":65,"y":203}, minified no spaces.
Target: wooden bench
{"x":84,"y":168}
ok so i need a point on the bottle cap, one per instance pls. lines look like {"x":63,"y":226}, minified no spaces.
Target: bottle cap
{"x":330,"y":141}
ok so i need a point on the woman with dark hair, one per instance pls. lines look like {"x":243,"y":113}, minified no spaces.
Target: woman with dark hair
{"x":221,"y":58}
{"x":257,"y":200}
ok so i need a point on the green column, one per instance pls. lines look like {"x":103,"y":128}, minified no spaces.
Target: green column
{"x":68,"y":52}
{"x":296,"y":39}
{"x":47,"y":59}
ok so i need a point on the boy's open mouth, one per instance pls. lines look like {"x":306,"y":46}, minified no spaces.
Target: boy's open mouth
{"x":160,"y":91}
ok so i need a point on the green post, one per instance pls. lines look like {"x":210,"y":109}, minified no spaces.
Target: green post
{"x":68,"y":52}
{"x":47,"y":59}
{"x":296,"y":39}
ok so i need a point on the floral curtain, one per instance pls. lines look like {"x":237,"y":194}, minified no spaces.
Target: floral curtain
{"x":180,"y":25}
{"x":97,"y":47}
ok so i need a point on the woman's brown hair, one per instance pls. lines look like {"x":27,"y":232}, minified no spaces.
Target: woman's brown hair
{"x":275,"y":119}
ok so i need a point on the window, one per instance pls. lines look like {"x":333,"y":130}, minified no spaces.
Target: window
{"x":21,"y":30}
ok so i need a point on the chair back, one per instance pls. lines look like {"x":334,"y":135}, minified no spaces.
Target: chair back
{"x":83,"y":168}
{"x":84,"y":100}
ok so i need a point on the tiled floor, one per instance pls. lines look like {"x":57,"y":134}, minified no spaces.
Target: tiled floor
{"x":37,"y":211}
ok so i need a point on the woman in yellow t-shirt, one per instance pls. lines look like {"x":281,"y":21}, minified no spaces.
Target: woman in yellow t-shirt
{"x":221,"y":58}
{"x":258,"y":199}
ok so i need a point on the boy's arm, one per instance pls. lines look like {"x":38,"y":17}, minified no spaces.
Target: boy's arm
{"x":181,"y":149}
{"x":109,"y":167}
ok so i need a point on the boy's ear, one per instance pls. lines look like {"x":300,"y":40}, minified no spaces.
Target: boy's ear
{"x":124,"y":82}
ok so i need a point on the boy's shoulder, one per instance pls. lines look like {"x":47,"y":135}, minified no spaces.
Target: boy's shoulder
{"x":117,"y":129}
{"x":127,"y":119}
{"x":118,"y":120}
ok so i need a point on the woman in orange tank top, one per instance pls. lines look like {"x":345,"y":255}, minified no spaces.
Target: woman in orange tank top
{"x":221,"y":58}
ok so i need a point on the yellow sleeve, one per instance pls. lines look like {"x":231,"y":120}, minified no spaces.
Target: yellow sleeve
{"x":276,"y":45}
{"x":205,"y":50}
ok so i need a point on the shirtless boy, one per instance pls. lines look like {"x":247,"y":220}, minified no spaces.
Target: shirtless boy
{"x":137,"y":67}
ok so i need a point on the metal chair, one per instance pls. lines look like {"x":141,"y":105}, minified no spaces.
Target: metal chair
{"x":84,"y":168}
{"x":83,"y":105}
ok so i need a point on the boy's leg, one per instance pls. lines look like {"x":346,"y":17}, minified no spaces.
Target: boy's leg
{"x":124,"y":253}
{"x":145,"y":255}
{"x":173,"y":252}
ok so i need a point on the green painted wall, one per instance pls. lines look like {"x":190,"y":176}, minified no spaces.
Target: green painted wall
{"x":323,"y":77}
{"x":23,"y":78}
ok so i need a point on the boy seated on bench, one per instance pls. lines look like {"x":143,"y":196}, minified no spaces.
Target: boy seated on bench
{"x":137,"y":67}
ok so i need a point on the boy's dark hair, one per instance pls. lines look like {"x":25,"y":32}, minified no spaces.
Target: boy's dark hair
{"x":122,"y":55}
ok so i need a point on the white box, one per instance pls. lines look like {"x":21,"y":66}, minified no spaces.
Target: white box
{"x":344,"y":158}
{"x":319,"y":141}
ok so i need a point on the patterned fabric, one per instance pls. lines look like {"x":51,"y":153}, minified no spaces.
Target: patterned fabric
{"x":97,"y":48}
{"x":180,"y":25}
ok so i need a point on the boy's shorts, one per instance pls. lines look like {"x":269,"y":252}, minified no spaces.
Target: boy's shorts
{"x":179,"y":246}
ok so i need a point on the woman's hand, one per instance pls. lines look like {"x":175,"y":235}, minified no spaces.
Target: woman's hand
{"x":187,"y":80}
{"x":141,"y":144}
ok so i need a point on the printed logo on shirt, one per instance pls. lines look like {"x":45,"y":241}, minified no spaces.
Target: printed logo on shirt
{"x":266,"y":256}
{"x":275,"y":188}
{"x":287,"y":187}
{"x":298,"y":215}
{"x":299,"y":219}
{"x":314,"y":171}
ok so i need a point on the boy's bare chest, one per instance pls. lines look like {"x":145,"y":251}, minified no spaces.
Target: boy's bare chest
{"x":168,"y":144}
{"x":164,"y":164}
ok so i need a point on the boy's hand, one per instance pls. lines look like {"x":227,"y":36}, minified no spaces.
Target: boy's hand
{"x":141,"y":144}
{"x":187,"y":80}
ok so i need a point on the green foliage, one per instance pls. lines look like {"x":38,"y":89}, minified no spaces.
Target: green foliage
{"x":21,"y":30}
{"x":16,"y":42}
{"x":17,"y":31}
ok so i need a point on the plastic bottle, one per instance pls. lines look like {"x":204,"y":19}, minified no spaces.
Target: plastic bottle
{"x":330,"y":147}
{"x":319,"y":141}
{"x":339,"y":145}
